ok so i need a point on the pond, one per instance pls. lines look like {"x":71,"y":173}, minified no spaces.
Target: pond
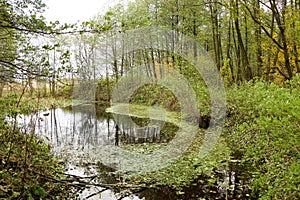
{"x":78,"y":129}
{"x":75,"y":132}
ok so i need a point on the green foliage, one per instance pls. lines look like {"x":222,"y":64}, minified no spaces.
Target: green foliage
{"x":65,"y":91}
{"x":262,"y":132}
{"x":104,"y":89}
{"x":189,"y":167}
{"x":155,"y":95}
{"x":11,"y":104}
{"x":27,"y":168}
{"x":294,"y":84}
{"x":264,"y":127}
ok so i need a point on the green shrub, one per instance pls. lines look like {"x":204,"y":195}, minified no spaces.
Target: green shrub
{"x":264,"y":126}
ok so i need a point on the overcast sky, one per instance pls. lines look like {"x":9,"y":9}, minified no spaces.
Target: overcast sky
{"x":70,"y":11}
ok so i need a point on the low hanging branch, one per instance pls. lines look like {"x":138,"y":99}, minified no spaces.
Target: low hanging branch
{"x":13,"y":66}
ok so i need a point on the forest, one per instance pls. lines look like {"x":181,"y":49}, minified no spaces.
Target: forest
{"x":225,"y":67}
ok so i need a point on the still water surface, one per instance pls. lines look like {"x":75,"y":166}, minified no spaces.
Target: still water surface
{"x":73,"y":133}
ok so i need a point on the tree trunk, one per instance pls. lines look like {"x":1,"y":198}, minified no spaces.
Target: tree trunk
{"x":280,"y":20}
{"x":228,"y":49}
{"x":259,"y":62}
{"x":245,"y":69}
{"x":215,"y":32}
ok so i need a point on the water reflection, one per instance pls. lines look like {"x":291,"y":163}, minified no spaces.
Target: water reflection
{"x":79,"y":129}
{"x":73,"y":131}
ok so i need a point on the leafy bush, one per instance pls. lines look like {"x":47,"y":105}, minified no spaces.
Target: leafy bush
{"x":155,"y":95}
{"x":104,"y":89}
{"x":65,"y":91}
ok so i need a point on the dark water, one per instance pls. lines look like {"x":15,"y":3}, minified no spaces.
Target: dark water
{"x":74,"y":132}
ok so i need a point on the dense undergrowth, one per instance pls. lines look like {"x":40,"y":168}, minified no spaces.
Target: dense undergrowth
{"x":264,"y":131}
{"x":28,"y":170}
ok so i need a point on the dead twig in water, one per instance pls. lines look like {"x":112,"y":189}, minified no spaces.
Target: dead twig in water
{"x":95,"y":193}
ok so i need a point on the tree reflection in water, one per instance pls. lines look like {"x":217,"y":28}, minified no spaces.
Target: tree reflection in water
{"x":81,"y":130}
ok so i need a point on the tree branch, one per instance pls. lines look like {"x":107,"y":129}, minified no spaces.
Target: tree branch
{"x":51,"y":32}
{"x":262,"y":27}
{"x":12,"y":66}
